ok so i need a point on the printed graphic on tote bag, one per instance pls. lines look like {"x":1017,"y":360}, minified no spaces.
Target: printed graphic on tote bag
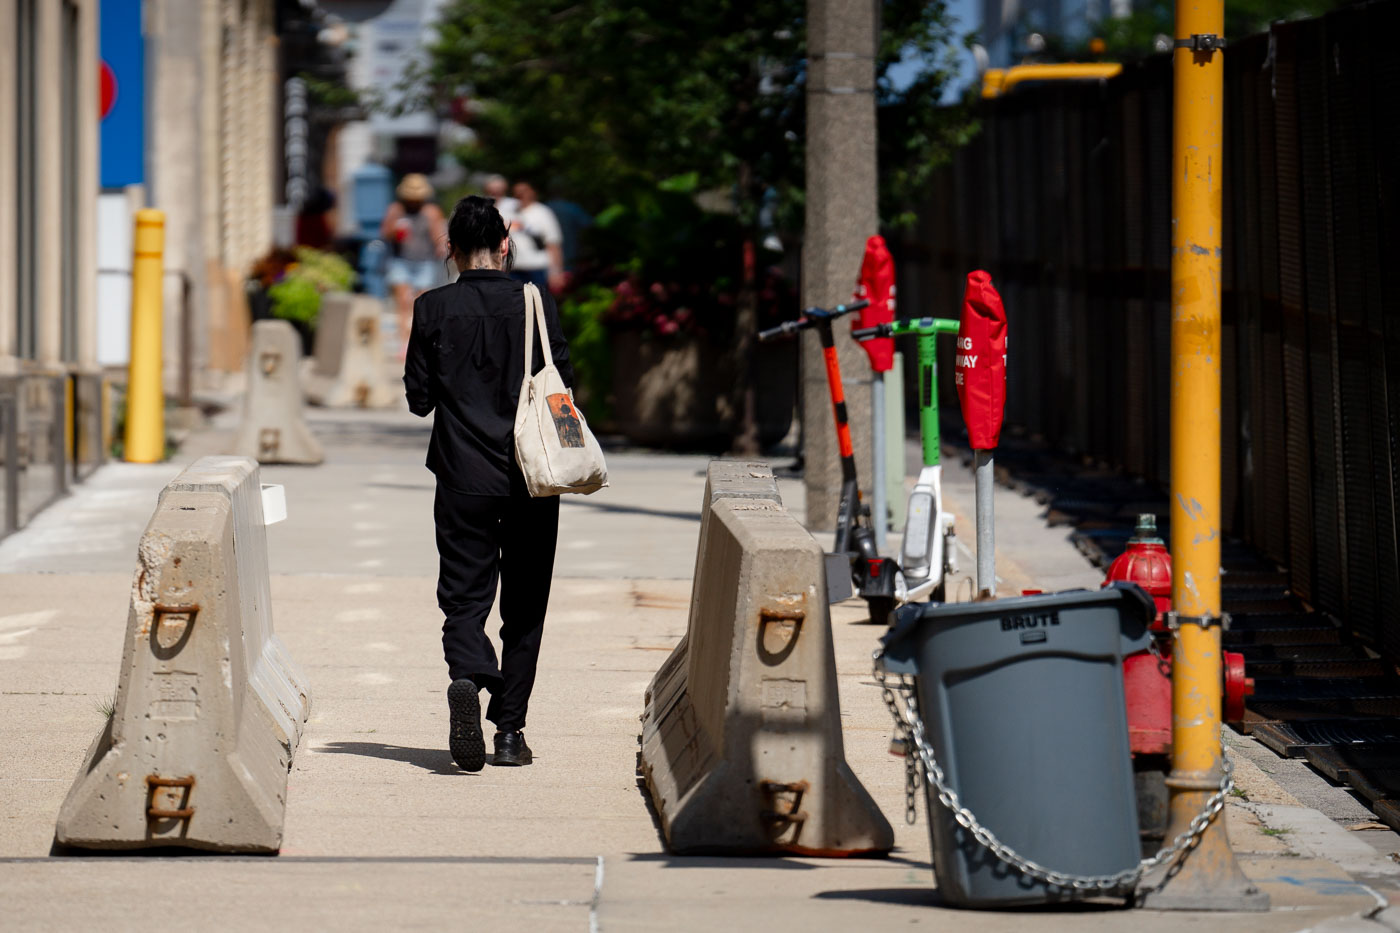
{"x":566,"y":420}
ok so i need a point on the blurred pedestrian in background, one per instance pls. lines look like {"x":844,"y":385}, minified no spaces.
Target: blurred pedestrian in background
{"x":573,"y":221}
{"x":466,"y":361}
{"x":539,"y":254}
{"x":498,"y":189}
{"x":416,"y":232}
{"x":316,"y":220}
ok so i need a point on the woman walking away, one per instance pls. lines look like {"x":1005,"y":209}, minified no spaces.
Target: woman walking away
{"x":466,"y":360}
{"x":415,"y":230}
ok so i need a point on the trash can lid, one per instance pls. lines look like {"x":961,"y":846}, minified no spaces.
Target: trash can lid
{"x":1135,"y":607}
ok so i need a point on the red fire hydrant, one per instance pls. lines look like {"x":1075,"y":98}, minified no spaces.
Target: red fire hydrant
{"x":1147,"y":675}
{"x":1146,"y":563}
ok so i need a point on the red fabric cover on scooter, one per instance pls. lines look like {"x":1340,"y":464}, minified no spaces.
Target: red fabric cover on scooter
{"x":980,"y":364}
{"x":876,"y":284}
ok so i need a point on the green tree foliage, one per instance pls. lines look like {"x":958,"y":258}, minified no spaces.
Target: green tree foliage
{"x":916,"y":134}
{"x":681,"y":126}
{"x":600,"y":99}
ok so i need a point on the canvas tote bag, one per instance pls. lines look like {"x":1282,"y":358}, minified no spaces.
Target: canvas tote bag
{"x":556,"y":451}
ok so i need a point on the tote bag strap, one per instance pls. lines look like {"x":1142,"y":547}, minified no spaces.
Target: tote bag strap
{"x":534,"y":312}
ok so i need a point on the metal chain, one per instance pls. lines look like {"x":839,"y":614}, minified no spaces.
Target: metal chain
{"x":905,"y":738}
{"x":1164,"y":664}
{"x":909,"y":721}
{"x":911,"y":780}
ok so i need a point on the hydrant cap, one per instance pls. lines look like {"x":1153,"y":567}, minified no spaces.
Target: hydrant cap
{"x":1146,"y":529}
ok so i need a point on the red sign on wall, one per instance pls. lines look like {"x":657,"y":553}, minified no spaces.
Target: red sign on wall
{"x":980,"y":364}
{"x":106,"y":89}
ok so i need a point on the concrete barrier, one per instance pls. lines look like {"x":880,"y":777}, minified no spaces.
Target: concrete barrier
{"x":274,"y":428}
{"x":209,"y":708}
{"x":348,"y":364}
{"x":741,"y":734}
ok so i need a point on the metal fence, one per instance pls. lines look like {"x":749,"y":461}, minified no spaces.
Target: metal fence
{"x":51,"y":436}
{"x":1065,"y":198}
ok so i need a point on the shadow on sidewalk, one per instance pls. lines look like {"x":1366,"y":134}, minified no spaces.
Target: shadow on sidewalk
{"x":908,"y":897}
{"x":633,"y":509}
{"x":436,"y":760}
{"x":930,"y":897}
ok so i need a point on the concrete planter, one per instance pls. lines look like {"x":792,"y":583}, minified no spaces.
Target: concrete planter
{"x":674,"y":391}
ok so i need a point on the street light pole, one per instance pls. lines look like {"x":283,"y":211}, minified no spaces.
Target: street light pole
{"x":1206,"y":876}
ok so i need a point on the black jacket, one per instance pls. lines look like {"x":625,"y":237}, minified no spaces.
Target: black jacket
{"x":466,"y":360}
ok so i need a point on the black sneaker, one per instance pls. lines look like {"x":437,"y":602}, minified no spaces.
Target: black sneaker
{"x":464,"y":738}
{"x":511,"y":750}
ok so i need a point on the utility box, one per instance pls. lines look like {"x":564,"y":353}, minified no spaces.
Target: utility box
{"x":1022,"y":702}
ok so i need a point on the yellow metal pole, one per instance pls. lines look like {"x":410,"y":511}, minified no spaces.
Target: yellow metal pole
{"x":145,"y":398}
{"x":1206,"y":877}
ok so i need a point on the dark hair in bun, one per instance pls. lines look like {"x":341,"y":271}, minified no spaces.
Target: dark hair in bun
{"x":475,"y":225}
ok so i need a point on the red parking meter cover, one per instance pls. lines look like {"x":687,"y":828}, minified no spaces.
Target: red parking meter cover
{"x":980,"y":364}
{"x":876,"y":284}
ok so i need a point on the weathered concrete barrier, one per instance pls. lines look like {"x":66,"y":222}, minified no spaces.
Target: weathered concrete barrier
{"x":209,"y":708}
{"x":274,"y":427}
{"x":741,"y":734}
{"x":348,"y":363}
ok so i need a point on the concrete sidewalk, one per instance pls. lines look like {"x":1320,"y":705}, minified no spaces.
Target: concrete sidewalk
{"x":383,"y":831}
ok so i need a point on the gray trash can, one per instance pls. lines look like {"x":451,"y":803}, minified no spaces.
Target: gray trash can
{"x":1022,"y":700}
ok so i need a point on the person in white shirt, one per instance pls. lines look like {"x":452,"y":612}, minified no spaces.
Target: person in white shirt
{"x":498,"y":189}
{"x":538,"y":241}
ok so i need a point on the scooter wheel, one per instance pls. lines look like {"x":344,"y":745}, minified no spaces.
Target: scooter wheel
{"x":881,"y":609}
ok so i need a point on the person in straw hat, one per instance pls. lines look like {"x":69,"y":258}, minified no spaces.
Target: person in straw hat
{"x":416,"y":231}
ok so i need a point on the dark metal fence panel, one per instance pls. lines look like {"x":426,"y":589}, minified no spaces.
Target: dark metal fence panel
{"x":1136,"y":348}
{"x":1097,"y":181}
{"x":1360,"y":88}
{"x":1347,"y":135}
{"x":1073,"y":184}
{"x":1253,"y":148}
{"x":1282,"y":285}
{"x":1159,"y":197}
{"x":1077,"y":328}
{"x":1329,"y":508}
{"x":1384,"y":189}
{"x":1025,"y":280}
{"x":1057,"y":234}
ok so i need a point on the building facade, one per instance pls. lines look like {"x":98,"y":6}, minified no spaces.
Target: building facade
{"x":195,"y":93}
{"x":212,"y":159}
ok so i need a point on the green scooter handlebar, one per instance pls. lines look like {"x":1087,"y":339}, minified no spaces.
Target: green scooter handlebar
{"x":927,"y":330}
{"x":921,"y":326}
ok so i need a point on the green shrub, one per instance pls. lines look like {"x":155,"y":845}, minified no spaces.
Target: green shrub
{"x":582,"y":314}
{"x":328,"y":271}
{"x":296,"y":297}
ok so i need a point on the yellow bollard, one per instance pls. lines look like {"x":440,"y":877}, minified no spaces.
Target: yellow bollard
{"x":1206,"y":876}
{"x":145,"y":397}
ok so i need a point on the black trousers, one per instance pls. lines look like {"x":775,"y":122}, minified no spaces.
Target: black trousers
{"x":483,"y":539}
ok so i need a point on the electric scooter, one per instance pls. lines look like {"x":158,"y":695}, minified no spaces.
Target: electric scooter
{"x":875,"y":579}
{"x":928,"y":559}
